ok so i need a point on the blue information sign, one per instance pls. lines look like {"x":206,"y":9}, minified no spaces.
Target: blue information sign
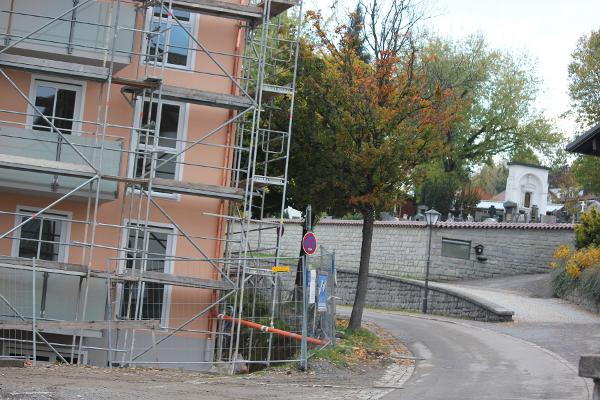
{"x":322,"y":306}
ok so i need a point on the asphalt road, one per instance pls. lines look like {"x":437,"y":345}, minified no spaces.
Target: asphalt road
{"x":462,"y":361}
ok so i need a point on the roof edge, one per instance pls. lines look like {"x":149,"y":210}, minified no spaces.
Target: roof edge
{"x":572,"y":147}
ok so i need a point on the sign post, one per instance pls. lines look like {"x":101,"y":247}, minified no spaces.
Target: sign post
{"x":303,"y":343}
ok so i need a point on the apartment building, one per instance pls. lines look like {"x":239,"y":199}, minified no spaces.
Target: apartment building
{"x":132,"y":135}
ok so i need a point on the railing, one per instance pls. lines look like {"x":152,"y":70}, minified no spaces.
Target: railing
{"x":84,"y":32}
{"x":39,"y":146}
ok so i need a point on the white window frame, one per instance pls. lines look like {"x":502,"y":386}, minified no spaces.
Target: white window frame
{"x":169,"y":264}
{"x":65,"y":230}
{"x":192,"y":25}
{"x":60,"y":83}
{"x":181,"y":138}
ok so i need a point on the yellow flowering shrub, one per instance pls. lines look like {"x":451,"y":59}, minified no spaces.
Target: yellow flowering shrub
{"x":576,"y":269}
{"x":563,"y":252}
{"x":577,"y":261}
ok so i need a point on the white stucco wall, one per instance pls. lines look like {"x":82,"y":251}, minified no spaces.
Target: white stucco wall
{"x":525,"y":178}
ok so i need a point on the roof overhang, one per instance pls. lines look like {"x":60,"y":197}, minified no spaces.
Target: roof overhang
{"x":588,"y":143}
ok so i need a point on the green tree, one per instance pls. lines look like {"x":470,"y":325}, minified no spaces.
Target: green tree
{"x":467,"y":200}
{"x":584,"y":79}
{"x":498,"y":92}
{"x":497,"y":115}
{"x":587,"y":232}
{"x":439,"y":189}
{"x":355,"y":34}
{"x":491,"y":178}
{"x":377,"y":121}
{"x":584,"y":90}
{"x":585,"y":170}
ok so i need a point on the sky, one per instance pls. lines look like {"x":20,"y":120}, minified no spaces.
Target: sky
{"x":546,"y":30}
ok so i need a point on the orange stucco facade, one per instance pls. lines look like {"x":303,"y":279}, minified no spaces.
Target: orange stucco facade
{"x":208,"y":163}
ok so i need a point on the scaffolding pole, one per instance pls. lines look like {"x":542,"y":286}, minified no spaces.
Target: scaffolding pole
{"x":258,"y":151}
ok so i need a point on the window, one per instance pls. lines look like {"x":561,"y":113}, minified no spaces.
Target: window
{"x":527,"y":201}
{"x":59,"y":102}
{"x":456,"y":248}
{"x":180,"y":49}
{"x":153,"y":297}
{"x":43,"y":237}
{"x":162,"y":147}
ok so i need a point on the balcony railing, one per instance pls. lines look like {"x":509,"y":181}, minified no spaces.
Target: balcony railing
{"x":22,"y":147}
{"x":83,"y":35}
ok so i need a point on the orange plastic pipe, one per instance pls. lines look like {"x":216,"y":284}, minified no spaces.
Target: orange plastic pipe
{"x":268,"y":329}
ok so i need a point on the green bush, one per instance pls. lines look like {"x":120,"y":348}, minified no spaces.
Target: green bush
{"x":561,"y":281}
{"x":587,"y":232}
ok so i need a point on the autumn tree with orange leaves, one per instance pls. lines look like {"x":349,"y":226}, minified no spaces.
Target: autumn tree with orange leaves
{"x":378,"y":117}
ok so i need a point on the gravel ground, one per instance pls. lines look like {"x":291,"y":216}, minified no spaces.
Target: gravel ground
{"x":369,"y":380}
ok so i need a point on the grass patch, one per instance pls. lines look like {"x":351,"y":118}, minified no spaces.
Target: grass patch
{"x":356,"y":346}
{"x":590,"y":283}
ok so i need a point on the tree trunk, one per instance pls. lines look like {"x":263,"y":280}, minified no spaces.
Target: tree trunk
{"x":363,"y":271}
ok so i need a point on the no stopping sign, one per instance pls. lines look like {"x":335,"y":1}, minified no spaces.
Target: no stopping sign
{"x":309,"y":243}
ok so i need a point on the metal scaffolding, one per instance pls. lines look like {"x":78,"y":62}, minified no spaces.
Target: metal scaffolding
{"x":84,"y":166}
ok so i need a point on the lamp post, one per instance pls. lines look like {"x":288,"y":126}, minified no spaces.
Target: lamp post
{"x":431,"y":218}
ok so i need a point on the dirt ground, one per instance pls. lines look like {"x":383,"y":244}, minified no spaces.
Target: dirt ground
{"x":322,"y":379}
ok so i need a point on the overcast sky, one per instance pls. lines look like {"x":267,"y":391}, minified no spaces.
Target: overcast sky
{"x":546,"y":30}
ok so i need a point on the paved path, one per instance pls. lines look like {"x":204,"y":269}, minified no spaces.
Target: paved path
{"x":552,"y":323}
{"x":460,"y":361}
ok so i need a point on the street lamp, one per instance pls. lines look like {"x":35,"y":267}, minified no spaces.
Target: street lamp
{"x":431,"y":218}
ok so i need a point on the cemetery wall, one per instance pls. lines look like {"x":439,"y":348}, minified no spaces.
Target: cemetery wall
{"x":400,"y":247}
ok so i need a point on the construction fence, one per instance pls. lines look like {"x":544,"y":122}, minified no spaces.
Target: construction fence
{"x":265,"y":324}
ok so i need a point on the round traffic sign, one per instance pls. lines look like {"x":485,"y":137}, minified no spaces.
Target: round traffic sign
{"x":309,"y":243}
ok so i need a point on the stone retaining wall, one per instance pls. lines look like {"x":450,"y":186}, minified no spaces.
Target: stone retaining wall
{"x":400,"y":247}
{"x":406,"y":294}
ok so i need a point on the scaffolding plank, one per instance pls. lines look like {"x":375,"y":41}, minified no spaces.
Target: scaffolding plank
{"x":202,"y":97}
{"x":34,"y":64}
{"x":46,"y":166}
{"x":244,"y":12}
{"x":87,"y":325}
{"x":175,"y":280}
{"x":81,"y":270}
{"x":268,"y":180}
{"x":43,"y":266}
{"x":250,"y":13}
{"x":269,"y":92}
{"x":201,"y":189}
{"x":137,"y":84}
{"x":279,"y":6}
{"x":184,"y":187}
{"x":206,"y":98}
